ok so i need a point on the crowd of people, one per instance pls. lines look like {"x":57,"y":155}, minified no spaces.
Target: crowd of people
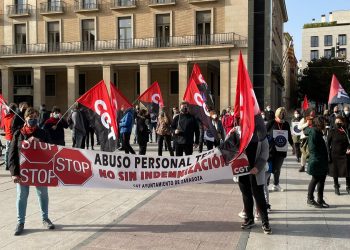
{"x":322,"y":147}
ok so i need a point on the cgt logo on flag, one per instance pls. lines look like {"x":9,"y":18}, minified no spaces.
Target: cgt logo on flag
{"x":106,"y":119}
{"x":156,"y":98}
{"x":199,"y":100}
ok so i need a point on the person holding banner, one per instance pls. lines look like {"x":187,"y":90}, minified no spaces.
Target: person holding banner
{"x":125,"y":126}
{"x":163,"y":131}
{"x":318,"y":162}
{"x":339,"y":145}
{"x":279,"y":135}
{"x":29,"y":131}
{"x":185,"y":127}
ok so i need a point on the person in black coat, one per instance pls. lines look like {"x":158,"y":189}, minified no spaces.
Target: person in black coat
{"x":30,"y":130}
{"x":276,"y":154}
{"x":339,"y":147}
{"x":18,"y":120}
{"x":142,"y":131}
{"x":185,"y":127}
{"x":55,"y":127}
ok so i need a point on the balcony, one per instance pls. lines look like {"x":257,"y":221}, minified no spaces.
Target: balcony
{"x":123,"y":4}
{"x":201,"y":1}
{"x":197,"y":41}
{"x":159,"y":3}
{"x":52,"y":8}
{"x":18,"y":10}
{"x":86,"y":6}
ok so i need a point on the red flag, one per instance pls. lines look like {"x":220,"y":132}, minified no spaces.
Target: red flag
{"x":202,"y":85}
{"x":118,"y":100}
{"x":98,"y":109}
{"x":198,"y":108}
{"x":305,"y":104}
{"x":337,"y":94}
{"x":246,"y":105}
{"x":3,"y":110}
{"x":152,"y":98}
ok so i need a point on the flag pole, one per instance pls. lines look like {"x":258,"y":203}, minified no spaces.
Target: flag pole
{"x":66,"y":112}
{"x":12,"y":110}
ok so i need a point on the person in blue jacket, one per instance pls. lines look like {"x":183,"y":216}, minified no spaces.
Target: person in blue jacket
{"x":125,"y":128}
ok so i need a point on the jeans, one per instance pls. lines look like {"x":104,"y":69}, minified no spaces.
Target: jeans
{"x":6,"y":158}
{"x":249,"y":188}
{"x":318,"y":180}
{"x":277,"y":162}
{"x":152,"y":126}
{"x":90,"y":136}
{"x":22,"y":198}
{"x":167,"y":143}
{"x":78,"y":141}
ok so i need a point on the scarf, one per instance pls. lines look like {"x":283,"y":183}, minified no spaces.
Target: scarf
{"x":52,"y":121}
{"x":28,"y":131}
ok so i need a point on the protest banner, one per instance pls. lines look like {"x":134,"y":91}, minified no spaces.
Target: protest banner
{"x":294,"y":129}
{"x":281,"y":140}
{"x":43,"y":164}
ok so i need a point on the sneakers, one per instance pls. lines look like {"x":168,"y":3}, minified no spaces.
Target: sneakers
{"x":242,"y":214}
{"x":313,"y":203}
{"x":48,"y":224}
{"x":266,"y":228}
{"x":19,"y":229}
{"x":302,"y":169}
{"x":276,"y":188}
{"x":248,"y":224}
{"x":323,"y":204}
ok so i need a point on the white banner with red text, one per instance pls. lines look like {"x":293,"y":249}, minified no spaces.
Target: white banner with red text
{"x":43,"y":164}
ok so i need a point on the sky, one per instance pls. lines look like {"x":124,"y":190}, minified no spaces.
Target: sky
{"x":303,"y":11}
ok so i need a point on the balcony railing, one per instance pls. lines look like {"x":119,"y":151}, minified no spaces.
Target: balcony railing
{"x":18,"y":10}
{"x":154,"y":3}
{"x":125,"y":44}
{"x":55,"y":7}
{"x":86,"y":5}
{"x":123,"y":4}
{"x":201,"y":1}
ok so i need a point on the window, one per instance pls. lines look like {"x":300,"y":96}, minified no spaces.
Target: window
{"x":50,"y":85}
{"x":54,"y":5}
{"x":22,"y":78}
{"x":328,"y":40}
{"x":174,"y":82}
{"x":342,"y":39}
{"x":314,"y":55}
{"x":20,"y":38}
{"x":314,"y":41}
{"x":53,"y":36}
{"x":137,"y":83}
{"x":342,"y":53}
{"x":21,"y":7}
{"x":88,"y":34}
{"x":163,"y":30}
{"x":125,"y":32}
{"x":328,"y":53}
{"x":203,"y":24}
{"x":82,"y":84}
{"x":88,"y":4}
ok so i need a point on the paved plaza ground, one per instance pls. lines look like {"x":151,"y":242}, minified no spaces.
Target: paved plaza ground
{"x":202,"y":216}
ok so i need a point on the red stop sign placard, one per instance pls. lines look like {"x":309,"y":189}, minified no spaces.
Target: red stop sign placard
{"x":38,"y":152}
{"x":38,"y":174}
{"x":72,"y":167}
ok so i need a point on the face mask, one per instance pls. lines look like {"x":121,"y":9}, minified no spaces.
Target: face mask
{"x":263,"y":116}
{"x":32,"y":122}
{"x":346,"y":112}
{"x":339,"y":125}
{"x":215,"y":116}
{"x":56,"y":116}
{"x":296,"y":115}
{"x":184,"y":110}
{"x":282,"y":117}
{"x":268,"y":109}
{"x":232,"y":113}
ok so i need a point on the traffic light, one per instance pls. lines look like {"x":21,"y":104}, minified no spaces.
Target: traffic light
{"x":338,"y":49}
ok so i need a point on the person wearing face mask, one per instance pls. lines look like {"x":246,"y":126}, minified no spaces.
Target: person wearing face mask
{"x":318,"y":162}
{"x":55,"y":127}
{"x":210,"y":140}
{"x":185,"y":128}
{"x":29,"y":131}
{"x":18,"y":120}
{"x":43,"y":115}
{"x":346,"y":115}
{"x":296,"y":138}
{"x":277,"y":152}
{"x":269,"y":114}
{"x":339,"y":148}
{"x":333,"y":116}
